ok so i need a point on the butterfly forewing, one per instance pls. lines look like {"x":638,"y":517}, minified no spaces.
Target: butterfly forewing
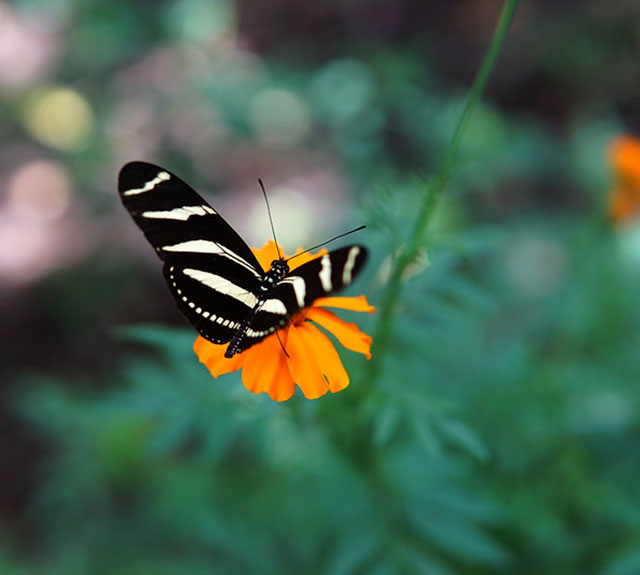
{"x":176,"y":219}
{"x":210,"y":270}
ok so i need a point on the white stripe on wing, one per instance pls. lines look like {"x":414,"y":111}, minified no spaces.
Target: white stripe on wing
{"x":222,"y":285}
{"x":210,"y":247}
{"x":299,"y":287}
{"x":182,"y":214}
{"x":325,"y":273}
{"x":348,"y":266}
{"x":161,"y":177}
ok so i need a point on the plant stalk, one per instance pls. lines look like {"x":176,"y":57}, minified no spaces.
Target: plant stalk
{"x":392,"y":292}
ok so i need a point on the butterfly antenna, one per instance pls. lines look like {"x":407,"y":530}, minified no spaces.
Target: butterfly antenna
{"x":282,"y":344}
{"x":273,"y":230}
{"x":328,"y":241}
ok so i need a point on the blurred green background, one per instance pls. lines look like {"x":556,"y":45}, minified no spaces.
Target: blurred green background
{"x":502,"y":434}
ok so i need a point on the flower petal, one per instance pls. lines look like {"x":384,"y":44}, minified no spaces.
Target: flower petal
{"x":306,"y":257}
{"x":623,"y":204}
{"x":269,"y":252}
{"x":325,"y":356}
{"x":266,"y":254}
{"x":358,"y":303}
{"x":303,"y":364}
{"x":266,"y":369}
{"x":313,"y":363}
{"x":348,"y":334}
{"x":624,"y":154}
{"x":212,"y":355}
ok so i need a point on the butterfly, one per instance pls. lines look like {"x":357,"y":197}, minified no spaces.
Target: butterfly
{"x":215,"y":279}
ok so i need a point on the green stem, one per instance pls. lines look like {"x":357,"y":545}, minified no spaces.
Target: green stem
{"x":391,"y":295}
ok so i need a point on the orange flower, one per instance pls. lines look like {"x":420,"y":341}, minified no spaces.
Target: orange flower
{"x":313,"y":363}
{"x":624,"y":198}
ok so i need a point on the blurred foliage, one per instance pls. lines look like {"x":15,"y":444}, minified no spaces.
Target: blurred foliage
{"x":501,"y":435}
{"x":505,"y":440}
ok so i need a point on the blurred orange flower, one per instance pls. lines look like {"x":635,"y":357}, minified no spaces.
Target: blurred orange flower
{"x":624,"y":198}
{"x":313,"y":363}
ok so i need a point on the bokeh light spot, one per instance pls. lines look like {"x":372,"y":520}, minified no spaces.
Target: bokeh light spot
{"x":28,"y":46}
{"x":201,"y":20}
{"x":343,"y":89}
{"x":40,"y":189}
{"x":294,"y":217}
{"x":536,"y":266}
{"x":59,"y":117}
{"x":628,"y":241}
{"x":280,"y":118}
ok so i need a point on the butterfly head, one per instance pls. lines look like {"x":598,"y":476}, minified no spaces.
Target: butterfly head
{"x":279,"y":269}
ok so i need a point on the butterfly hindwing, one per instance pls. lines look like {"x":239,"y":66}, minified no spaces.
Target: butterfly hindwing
{"x":214,"y":305}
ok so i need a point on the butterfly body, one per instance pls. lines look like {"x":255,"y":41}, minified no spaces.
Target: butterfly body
{"x":214,"y":277}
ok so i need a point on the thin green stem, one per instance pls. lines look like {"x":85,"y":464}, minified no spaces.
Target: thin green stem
{"x":435,"y":187}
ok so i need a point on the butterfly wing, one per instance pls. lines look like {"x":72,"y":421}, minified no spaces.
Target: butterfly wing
{"x":210,"y":270}
{"x":171,"y":213}
{"x":318,"y":278}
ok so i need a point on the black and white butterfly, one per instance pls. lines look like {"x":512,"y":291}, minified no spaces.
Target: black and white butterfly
{"x":214,"y":277}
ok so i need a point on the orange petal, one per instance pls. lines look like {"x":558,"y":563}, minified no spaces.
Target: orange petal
{"x":303,"y":364}
{"x":212,"y":355}
{"x":305,"y":258}
{"x":348,"y":334}
{"x":266,"y":254}
{"x":359,"y":303}
{"x":269,"y":252}
{"x":622,"y":204}
{"x":325,"y":356}
{"x":624,"y":154}
{"x":265,"y":369}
